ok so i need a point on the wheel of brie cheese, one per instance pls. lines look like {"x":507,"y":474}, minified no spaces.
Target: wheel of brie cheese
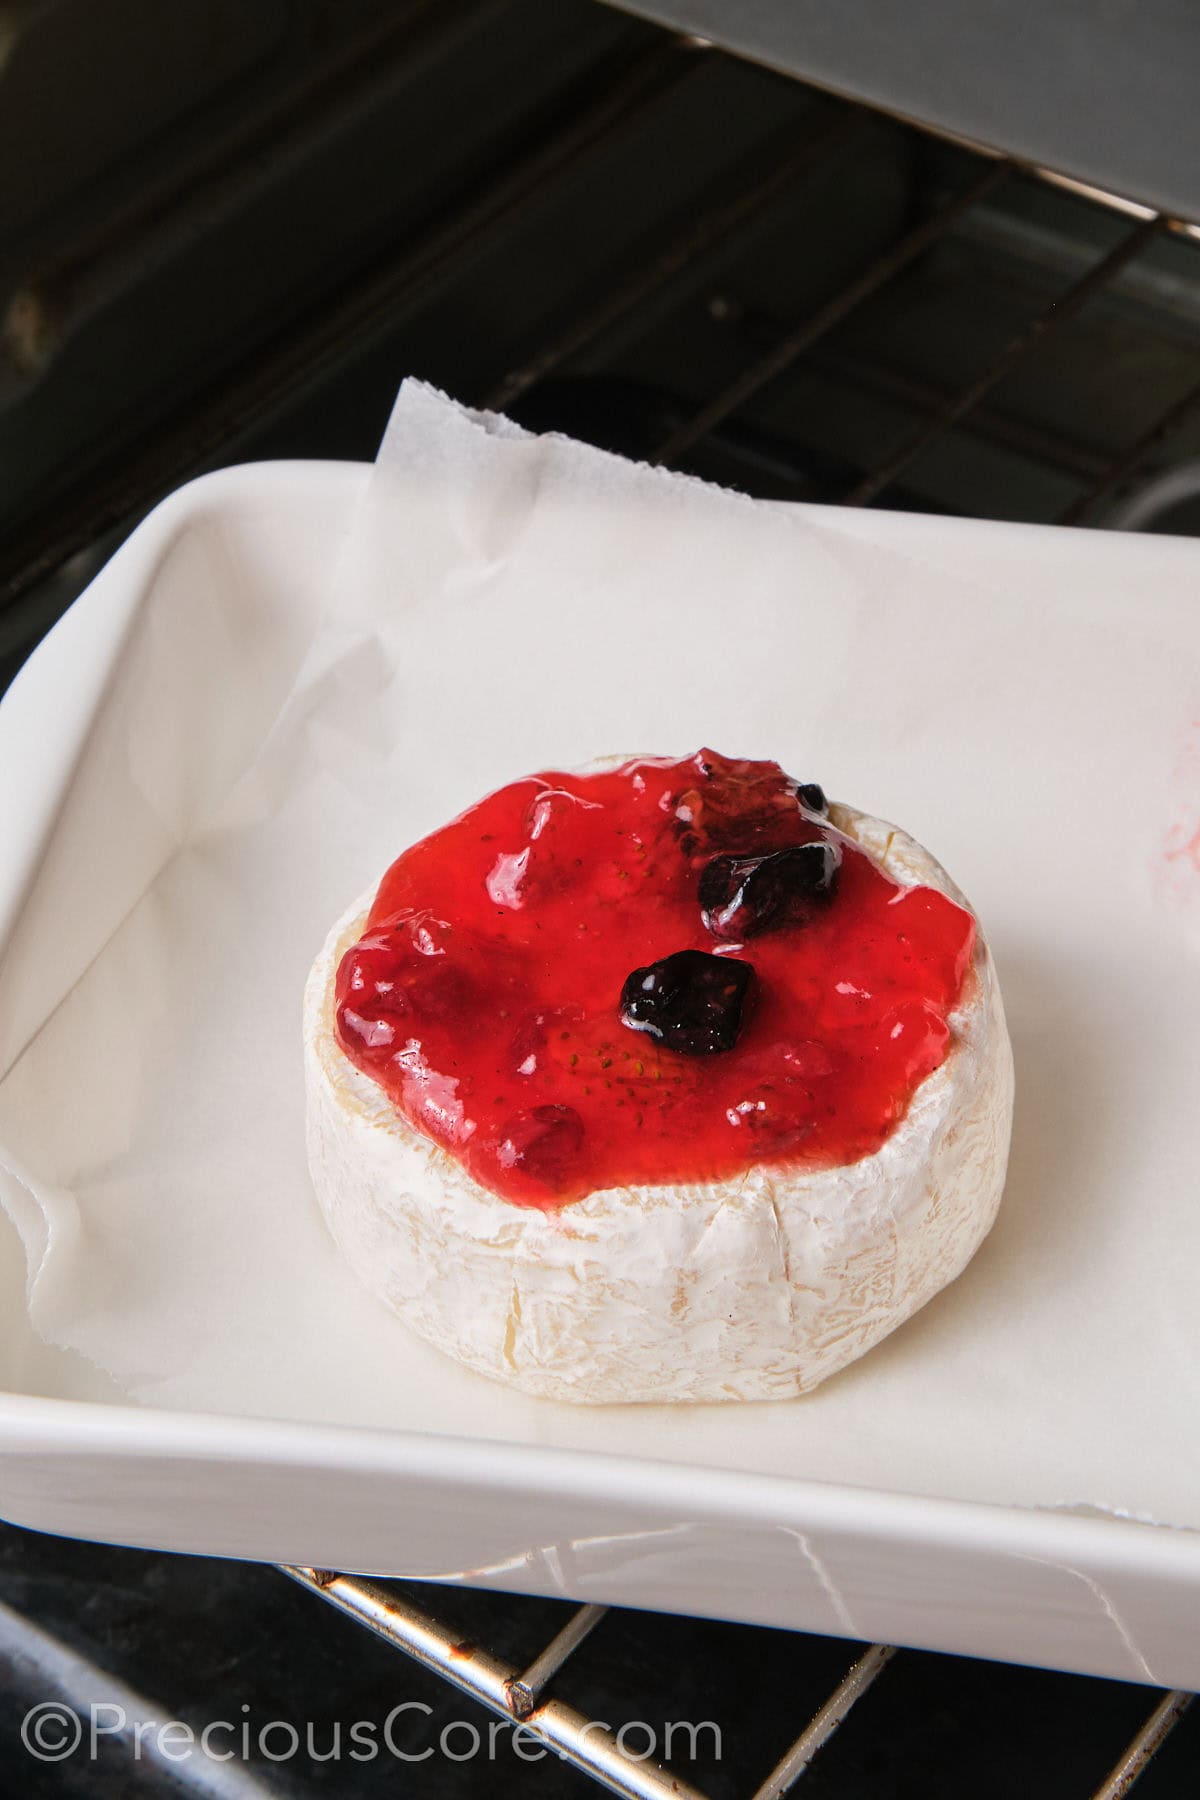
{"x":660,"y":1081}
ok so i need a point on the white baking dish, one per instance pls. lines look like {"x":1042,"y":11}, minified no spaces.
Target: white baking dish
{"x":594,"y":1509}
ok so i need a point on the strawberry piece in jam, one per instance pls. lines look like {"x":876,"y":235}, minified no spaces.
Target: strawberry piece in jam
{"x":486,"y":995}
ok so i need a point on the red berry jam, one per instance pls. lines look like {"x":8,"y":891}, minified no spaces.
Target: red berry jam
{"x":544,"y":985}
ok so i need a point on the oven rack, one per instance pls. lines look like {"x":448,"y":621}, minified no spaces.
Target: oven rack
{"x":618,"y":95}
{"x":527,"y":1696}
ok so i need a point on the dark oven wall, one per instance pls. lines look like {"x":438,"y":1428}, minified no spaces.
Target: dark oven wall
{"x":229,"y":231}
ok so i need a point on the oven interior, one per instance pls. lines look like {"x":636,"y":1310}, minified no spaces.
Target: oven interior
{"x":227,"y":232}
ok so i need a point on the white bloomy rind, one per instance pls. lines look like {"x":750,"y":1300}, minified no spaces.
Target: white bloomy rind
{"x":750,"y":1289}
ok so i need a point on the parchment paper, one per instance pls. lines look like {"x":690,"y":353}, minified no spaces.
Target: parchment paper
{"x":1026,"y":702}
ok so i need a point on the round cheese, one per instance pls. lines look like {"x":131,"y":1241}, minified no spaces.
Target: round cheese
{"x":756,"y":1288}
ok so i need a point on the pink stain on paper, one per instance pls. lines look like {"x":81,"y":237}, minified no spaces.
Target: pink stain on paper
{"x":1178,"y":859}
{"x":1189,"y":851}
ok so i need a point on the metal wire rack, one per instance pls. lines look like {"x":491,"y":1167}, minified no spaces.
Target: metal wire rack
{"x":615,"y":98}
{"x":620,"y":94}
{"x":527,"y":1697}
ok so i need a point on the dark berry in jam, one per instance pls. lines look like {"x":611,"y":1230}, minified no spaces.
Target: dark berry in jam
{"x":691,"y":1002}
{"x":741,"y":896}
{"x":811,"y":796}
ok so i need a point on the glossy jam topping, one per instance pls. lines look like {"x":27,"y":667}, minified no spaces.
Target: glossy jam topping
{"x":524,"y":994}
